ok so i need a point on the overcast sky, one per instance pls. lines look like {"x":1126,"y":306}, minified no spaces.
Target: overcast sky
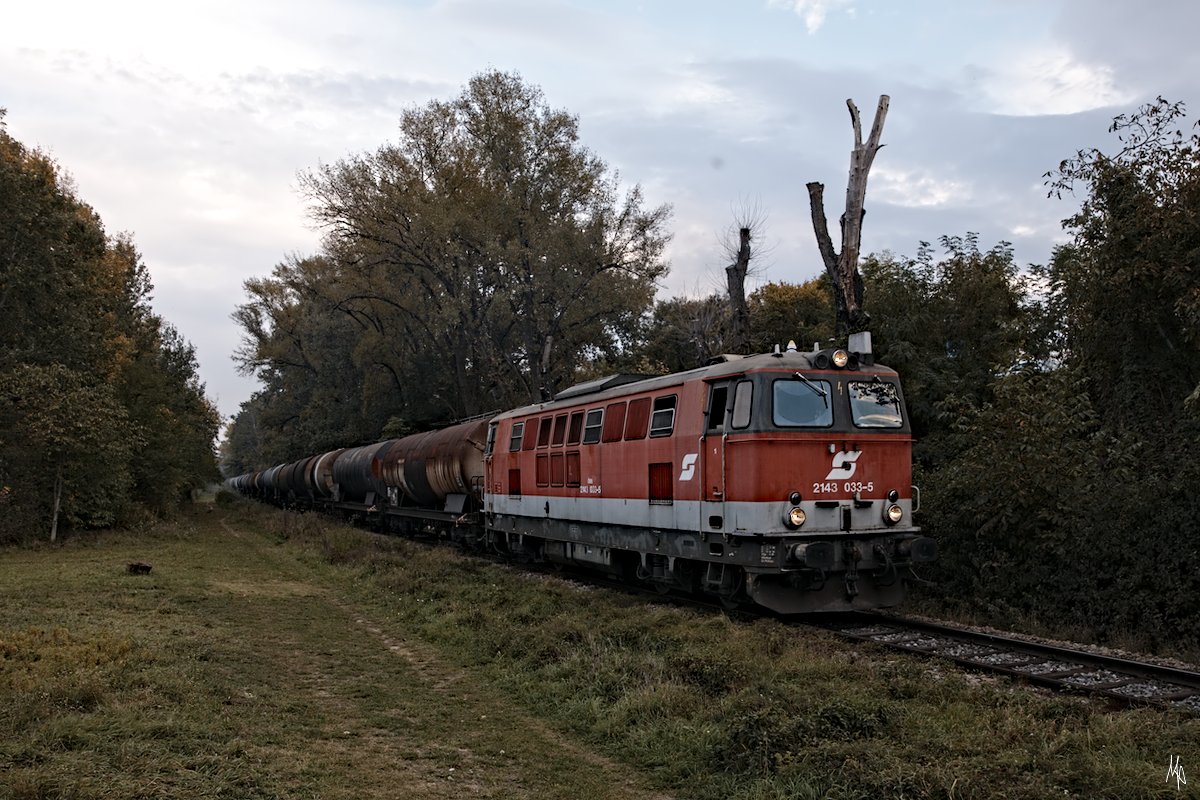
{"x":185,"y":124}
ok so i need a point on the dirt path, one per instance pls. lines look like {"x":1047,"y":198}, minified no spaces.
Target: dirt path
{"x":239,"y":669}
{"x":392,"y":712}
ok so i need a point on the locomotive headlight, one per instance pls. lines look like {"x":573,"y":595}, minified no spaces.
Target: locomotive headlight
{"x":893,"y":514}
{"x":840,"y":359}
{"x":794,"y":518}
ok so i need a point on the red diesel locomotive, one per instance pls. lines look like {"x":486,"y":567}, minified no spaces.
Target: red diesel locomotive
{"x":782,"y":480}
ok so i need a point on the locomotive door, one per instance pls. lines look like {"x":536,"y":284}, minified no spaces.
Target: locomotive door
{"x":712,"y":456}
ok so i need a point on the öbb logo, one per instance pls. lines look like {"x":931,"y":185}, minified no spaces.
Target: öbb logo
{"x":845,"y":462}
{"x":689,"y":467}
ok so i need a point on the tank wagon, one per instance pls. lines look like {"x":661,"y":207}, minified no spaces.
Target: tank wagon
{"x":782,"y":480}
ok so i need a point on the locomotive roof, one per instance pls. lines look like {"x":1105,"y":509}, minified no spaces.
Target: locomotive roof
{"x":614,"y":386}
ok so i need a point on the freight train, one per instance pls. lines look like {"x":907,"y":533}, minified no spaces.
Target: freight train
{"x":782,"y":480}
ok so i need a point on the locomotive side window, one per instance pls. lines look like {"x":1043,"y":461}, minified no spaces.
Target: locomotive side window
{"x":639,"y":415}
{"x":743,"y":396}
{"x":614,"y":422}
{"x":491,"y":439}
{"x":576,"y":429}
{"x":518,"y":432}
{"x":531,"y":439}
{"x":592,"y":426}
{"x":875,"y":404}
{"x":544,"y":433}
{"x":718,"y":397}
{"x":560,"y":430}
{"x":662,"y":422}
{"x":802,"y":403}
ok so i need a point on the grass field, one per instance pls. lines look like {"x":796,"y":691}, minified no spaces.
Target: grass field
{"x":281,"y":656}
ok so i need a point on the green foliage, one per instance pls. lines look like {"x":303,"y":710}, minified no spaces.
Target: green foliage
{"x":1062,"y":491}
{"x":706,"y":707}
{"x":783,"y":312}
{"x":472,"y":265}
{"x":684,"y":333}
{"x":101,"y":405}
{"x":949,"y":327}
{"x":1125,"y":293}
{"x":55,"y":423}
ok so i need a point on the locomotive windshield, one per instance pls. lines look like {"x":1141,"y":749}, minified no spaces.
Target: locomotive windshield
{"x":875,"y":404}
{"x":802,"y":403}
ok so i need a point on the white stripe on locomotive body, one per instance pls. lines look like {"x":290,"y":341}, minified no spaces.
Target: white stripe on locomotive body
{"x":691,"y":516}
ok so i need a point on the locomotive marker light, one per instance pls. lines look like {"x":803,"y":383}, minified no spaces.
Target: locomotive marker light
{"x":795,"y":517}
{"x":893,"y":514}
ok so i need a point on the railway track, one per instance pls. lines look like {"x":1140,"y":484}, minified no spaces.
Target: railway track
{"x":1057,"y":667}
{"x":1061,"y":668}
{"x":1064,"y":669}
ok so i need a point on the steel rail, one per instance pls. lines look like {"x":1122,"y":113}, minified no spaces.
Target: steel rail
{"x":1055,"y":666}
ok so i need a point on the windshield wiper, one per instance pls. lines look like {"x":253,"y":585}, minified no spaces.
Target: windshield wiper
{"x":814,"y":387}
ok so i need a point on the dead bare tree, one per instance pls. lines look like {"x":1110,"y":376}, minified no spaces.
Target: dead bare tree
{"x":735,"y":274}
{"x":749,"y":224}
{"x":843,"y":267}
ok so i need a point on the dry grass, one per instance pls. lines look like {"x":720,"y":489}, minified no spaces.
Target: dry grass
{"x":240,"y":668}
{"x":286,"y":656}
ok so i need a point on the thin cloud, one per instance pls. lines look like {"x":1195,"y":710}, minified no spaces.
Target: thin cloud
{"x":917,"y":188}
{"x":813,"y":12}
{"x":1051,"y":82}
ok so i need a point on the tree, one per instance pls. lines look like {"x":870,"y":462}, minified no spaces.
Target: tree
{"x":1125,"y":292}
{"x":478,"y":263}
{"x":782,"y":312}
{"x":65,"y":438}
{"x":842,"y":267}
{"x":103,"y":410}
{"x":739,"y":312}
{"x":684,"y":333}
{"x":949,"y":326}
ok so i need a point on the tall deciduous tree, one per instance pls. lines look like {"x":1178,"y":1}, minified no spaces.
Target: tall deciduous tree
{"x":1125,"y":291}
{"x":102,"y":409}
{"x":472,"y":265}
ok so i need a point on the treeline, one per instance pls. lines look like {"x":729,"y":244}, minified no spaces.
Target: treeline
{"x":1059,"y":410}
{"x":102,"y":415}
{"x":487,"y":259}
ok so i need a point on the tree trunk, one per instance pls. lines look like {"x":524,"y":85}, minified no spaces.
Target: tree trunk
{"x":735,"y":275}
{"x":842,"y":267}
{"x":58,"y":487}
{"x":545,"y":381}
